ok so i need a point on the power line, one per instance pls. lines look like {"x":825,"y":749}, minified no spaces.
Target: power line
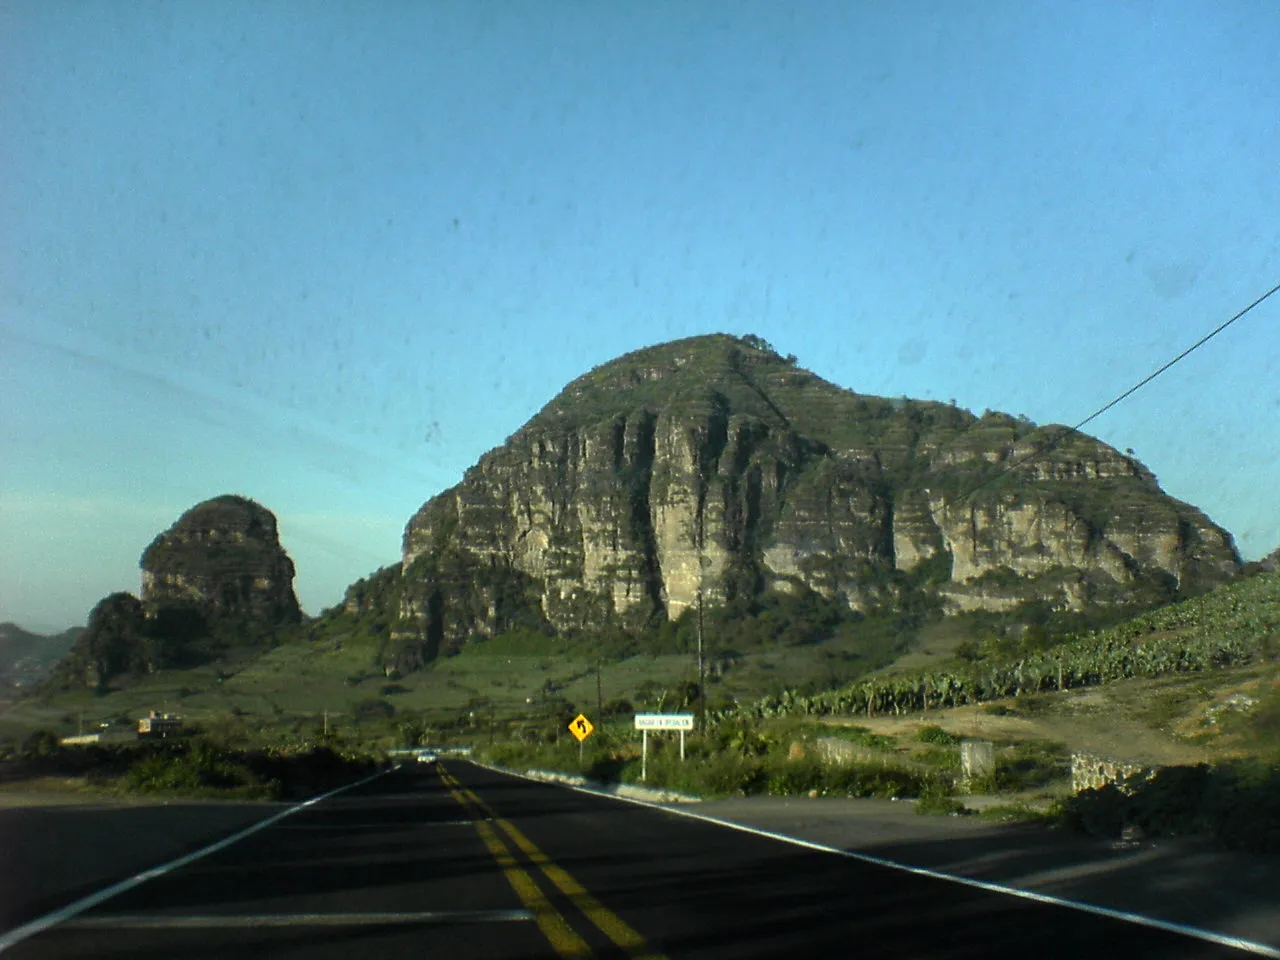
{"x":1068,"y":431}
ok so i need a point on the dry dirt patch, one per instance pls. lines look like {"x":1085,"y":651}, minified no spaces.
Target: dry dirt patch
{"x":1090,"y":721}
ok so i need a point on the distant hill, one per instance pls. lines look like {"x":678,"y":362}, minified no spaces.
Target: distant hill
{"x":26,"y":657}
{"x":1268,"y":564}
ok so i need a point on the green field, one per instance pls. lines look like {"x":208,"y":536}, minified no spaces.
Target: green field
{"x":293,"y":686}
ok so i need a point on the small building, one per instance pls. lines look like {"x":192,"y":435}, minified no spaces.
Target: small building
{"x":106,"y":733}
{"x":159,"y":725}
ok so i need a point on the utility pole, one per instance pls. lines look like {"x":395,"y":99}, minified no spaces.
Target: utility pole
{"x":599,"y":695}
{"x":702,"y":676}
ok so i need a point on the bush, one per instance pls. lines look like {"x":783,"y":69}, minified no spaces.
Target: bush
{"x":936,"y":798}
{"x":1031,"y":765}
{"x":869,"y":781}
{"x":42,"y":743}
{"x":932,"y":733}
{"x":198,"y":769}
{"x":203,"y":769}
{"x":793,"y":777}
{"x":1102,"y":812}
{"x":1237,"y":803}
{"x":941,"y":757}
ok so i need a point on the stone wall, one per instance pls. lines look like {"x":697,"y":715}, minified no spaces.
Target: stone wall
{"x":1091,"y":772}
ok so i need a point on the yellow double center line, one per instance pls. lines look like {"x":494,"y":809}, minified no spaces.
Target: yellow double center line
{"x":553,"y":925}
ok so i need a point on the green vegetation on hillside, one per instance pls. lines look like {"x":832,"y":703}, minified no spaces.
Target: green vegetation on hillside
{"x":1235,"y":624}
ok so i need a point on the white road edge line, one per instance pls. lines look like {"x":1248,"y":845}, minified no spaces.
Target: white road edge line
{"x":1221,"y":939}
{"x":40,"y":924}
{"x":159,"y":921}
{"x":388,"y":825}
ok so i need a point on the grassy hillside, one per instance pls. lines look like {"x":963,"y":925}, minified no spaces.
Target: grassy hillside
{"x":1187,"y":654}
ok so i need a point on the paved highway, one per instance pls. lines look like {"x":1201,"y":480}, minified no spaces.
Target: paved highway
{"x":457,"y":861}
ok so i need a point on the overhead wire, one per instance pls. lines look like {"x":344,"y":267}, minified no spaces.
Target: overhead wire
{"x":1068,"y":431}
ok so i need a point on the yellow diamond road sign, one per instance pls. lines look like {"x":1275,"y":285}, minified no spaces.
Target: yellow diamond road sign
{"x":581,"y":727}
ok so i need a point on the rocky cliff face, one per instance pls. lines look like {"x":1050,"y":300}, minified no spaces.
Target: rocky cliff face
{"x":714,"y":466}
{"x":222,"y":561}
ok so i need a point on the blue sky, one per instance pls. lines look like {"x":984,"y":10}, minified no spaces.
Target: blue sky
{"x":327,"y":254}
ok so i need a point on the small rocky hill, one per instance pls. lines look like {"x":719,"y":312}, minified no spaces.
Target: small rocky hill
{"x":713,"y":467}
{"x":217,"y":578}
{"x":223,"y":561}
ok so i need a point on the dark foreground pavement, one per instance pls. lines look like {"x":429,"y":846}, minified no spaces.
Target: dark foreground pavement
{"x":463,"y":862}
{"x":1182,"y":881}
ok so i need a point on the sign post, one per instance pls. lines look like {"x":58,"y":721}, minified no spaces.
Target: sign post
{"x":660,"y":721}
{"x":581,"y":728}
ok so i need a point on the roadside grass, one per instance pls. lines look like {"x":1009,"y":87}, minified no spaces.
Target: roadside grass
{"x":1019,"y":812}
{"x":735,"y":759}
{"x":185,"y":768}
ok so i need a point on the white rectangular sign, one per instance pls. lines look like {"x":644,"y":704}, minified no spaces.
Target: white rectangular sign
{"x":664,"y":721}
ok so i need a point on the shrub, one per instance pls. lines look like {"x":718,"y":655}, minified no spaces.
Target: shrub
{"x":941,"y":757}
{"x":793,"y":777}
{"x":936,"y":798}
{"x":868,"y":781}
{"x":932,"y":733}
{"x":1031,"y":765}
{"x":1103,"y":811}
{"x":42,"y":743}
{"x":198,"y":769}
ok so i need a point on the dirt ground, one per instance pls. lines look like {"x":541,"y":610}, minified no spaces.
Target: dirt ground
{"x":1093,"y":720}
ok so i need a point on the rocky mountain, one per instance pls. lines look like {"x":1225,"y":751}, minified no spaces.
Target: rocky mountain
{"x":714,"y":467}
{"x":217,"y":578}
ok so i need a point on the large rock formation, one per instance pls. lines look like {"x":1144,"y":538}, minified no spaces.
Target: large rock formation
{"x":218,"y":577}
{"x":712,"y":465}
{"x":222,"y":563}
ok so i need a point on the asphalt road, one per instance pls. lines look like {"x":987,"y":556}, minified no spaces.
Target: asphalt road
{"x":462,"y":862}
